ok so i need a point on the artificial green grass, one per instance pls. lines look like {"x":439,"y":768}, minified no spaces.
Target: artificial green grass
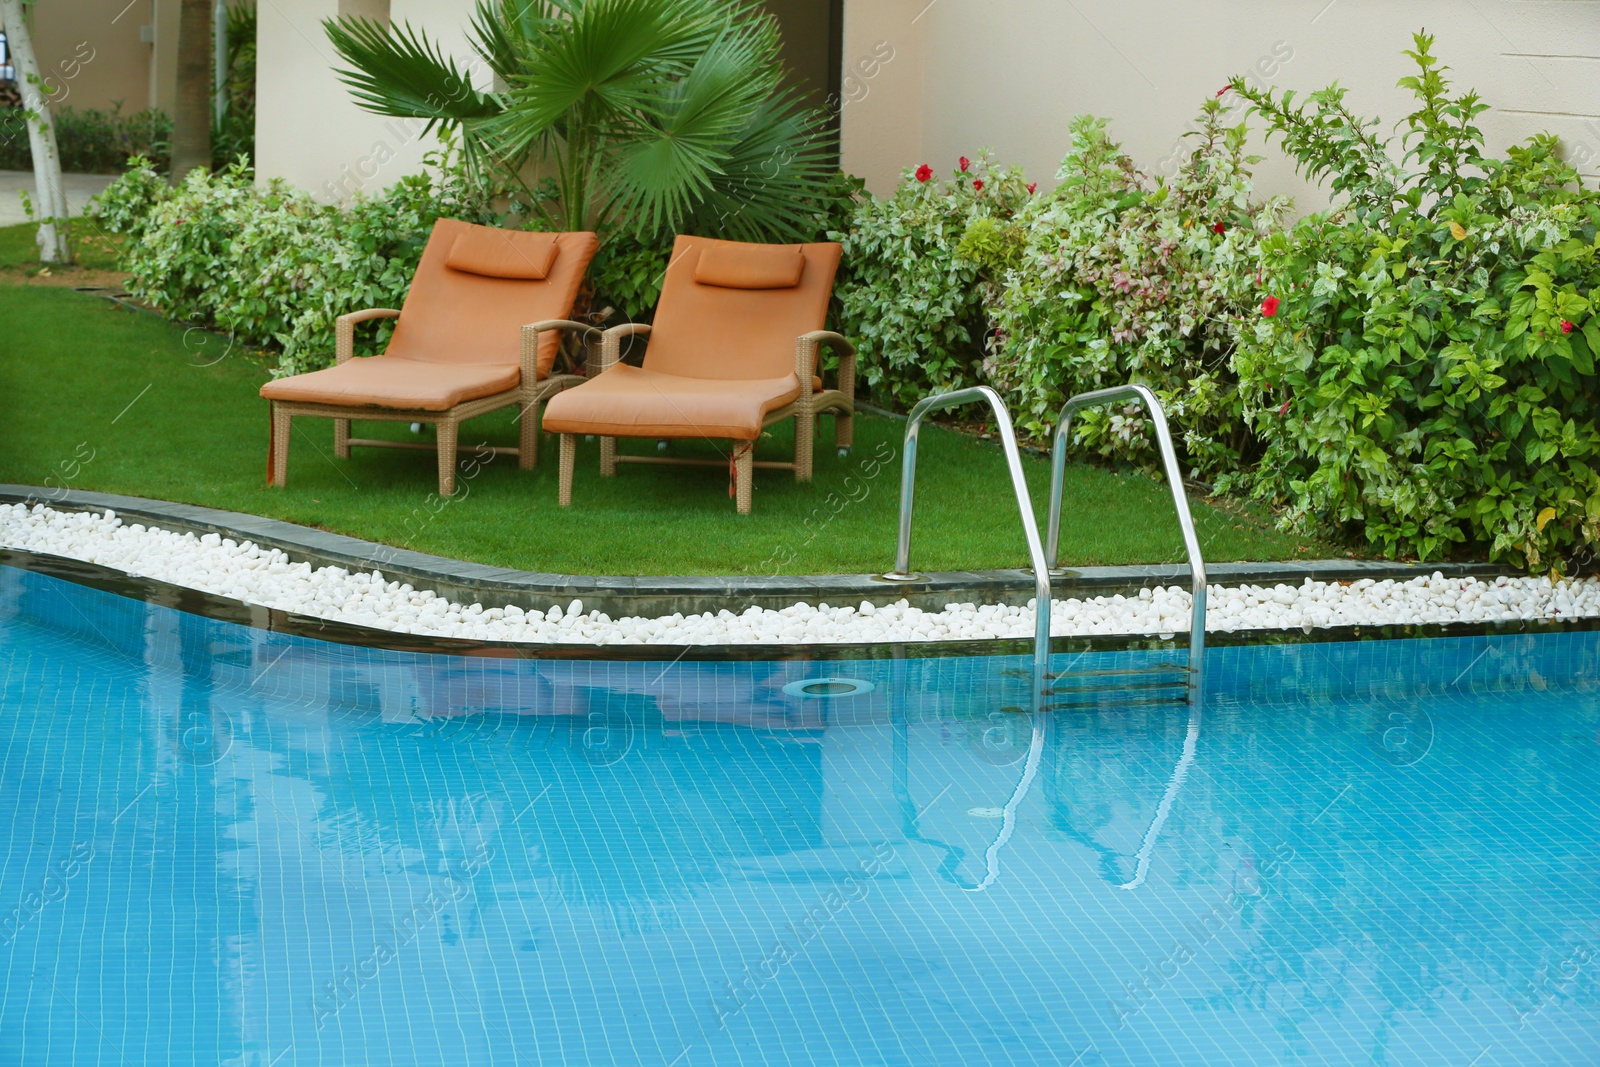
{"x":162,"y":418}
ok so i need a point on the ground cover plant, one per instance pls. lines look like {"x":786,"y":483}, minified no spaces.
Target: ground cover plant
{"x":108,"y":399}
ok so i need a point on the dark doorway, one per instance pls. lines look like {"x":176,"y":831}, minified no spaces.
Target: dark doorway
{"x":813,"y":38}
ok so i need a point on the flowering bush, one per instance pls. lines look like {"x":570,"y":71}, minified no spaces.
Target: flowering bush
{"x":1116,"y":277}
{"x":269,"y":265}
{"x":1425,"y":377}
{"x":906,"y":298}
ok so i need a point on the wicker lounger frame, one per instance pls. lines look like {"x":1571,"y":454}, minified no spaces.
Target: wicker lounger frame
{"x":529,"y":397}
{"x":841,"y":402}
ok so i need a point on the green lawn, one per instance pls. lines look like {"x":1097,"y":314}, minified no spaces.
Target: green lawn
{"x":92,"y":248}
{"x":161,"y":419}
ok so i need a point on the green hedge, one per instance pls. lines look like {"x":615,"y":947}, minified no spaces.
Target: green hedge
{"x":90,"y":141}
{"x":269,"y":265}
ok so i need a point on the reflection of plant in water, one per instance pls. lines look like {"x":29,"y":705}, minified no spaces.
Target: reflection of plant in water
{"x":634,"y":833}
{"x":1448,"y":906}
{"x":1421,"y":882}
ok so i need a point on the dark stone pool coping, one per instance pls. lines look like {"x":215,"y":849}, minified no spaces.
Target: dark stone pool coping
{"x":621,"y":595}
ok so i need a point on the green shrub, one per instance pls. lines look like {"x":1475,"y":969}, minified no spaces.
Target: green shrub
{"x":907,"y":299}
{"x":1426,"y":379}
{"x":1116,"y":276}
{"x":269,"y":265}
{"x":90,"y":141}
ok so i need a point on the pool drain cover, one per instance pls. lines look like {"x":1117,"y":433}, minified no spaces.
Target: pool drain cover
{"x":828,"y":687}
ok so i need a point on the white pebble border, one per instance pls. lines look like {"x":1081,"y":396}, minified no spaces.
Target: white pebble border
{"x":255,"y":575}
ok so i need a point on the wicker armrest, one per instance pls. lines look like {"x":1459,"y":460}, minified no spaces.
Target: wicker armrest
{"x":611,"y":342}
{"x":344,"y":330}
{"x":805,"y":361}
{"x":529,"y":351}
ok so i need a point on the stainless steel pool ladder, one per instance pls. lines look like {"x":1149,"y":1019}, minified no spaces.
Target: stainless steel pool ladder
{"x":1044,"y":556}
{"x":1030,"y":528}
{"x":1180,"y":501}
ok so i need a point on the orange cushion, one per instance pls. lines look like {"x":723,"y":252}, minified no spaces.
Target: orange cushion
{"x":709,"y":331}
{"x":629,"y":401}
{"x":735,"y":265}
{"x":503,"y":253}
{"x":396,"y":382}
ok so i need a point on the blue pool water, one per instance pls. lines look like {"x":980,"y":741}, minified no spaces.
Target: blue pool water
{"x":221,"y":845}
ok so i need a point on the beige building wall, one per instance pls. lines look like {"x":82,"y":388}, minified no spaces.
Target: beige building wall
{"x":1010,"y":75}
{"x":883,"y":89}
{"x":308,"y":129}
{"x":931,"y":81}
{"x":102,"y":53}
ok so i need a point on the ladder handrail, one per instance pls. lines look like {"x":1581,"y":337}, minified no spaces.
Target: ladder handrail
{"x":1180,"y":501}
{"x":1030,"y":527}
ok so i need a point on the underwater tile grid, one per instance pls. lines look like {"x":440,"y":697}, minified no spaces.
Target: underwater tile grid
{"x":222,"y":845}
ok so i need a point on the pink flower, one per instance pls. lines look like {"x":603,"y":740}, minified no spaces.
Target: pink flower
{"x":1269,"y":306}
{"x":1032,"y":186}
{"x":977,"y":184}
{"x":1566,"y":327}
{"x":924,"y":172}
{"x":1218,"y":227}
{"x":965,"y":163}
{"x":1224,"y":89}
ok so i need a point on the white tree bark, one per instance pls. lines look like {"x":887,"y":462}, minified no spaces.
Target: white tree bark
{"x":50,"y":205}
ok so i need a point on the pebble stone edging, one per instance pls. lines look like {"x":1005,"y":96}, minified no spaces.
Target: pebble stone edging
{"x":254,"y":574}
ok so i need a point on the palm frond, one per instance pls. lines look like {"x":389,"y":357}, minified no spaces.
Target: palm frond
{"x":504,"y":31}
{"x":775,"y":174}
{"x":397,"y":71}
{"x":614,"y":56}
{"x":676,"y":147}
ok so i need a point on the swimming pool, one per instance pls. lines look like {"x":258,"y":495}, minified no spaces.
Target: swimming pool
{"x":221,"y":844}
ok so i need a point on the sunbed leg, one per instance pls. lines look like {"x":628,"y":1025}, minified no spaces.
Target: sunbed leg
{"x":569,"y":459}
{"x":528,"y":445}
{"x":805,"y":423}
{"x":341,"y":438}
{"x":280,"y":445}
{"x":608,"y":457}
{"x":447,"y":456}
{"x":844,"y":431}
{"x":744,"y":462}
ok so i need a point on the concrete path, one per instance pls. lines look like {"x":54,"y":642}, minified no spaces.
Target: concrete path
{"x":80,"y":187}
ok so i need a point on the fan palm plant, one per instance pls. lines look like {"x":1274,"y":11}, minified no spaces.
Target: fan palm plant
{"x":640,"y":117}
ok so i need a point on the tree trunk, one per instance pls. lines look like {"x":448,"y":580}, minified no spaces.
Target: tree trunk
{"x":191,"y":113}
{"x":51,"y":206}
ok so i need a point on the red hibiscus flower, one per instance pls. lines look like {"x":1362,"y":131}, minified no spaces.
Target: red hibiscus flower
{"x":1032,"y":186}
{"x":924,"y":172}
{"x":1269,"y":306}
{"x":1218,"y":227}
{"x":1566,"y":327}
{"x":965,"y":163}
{"x":977,"y":184}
